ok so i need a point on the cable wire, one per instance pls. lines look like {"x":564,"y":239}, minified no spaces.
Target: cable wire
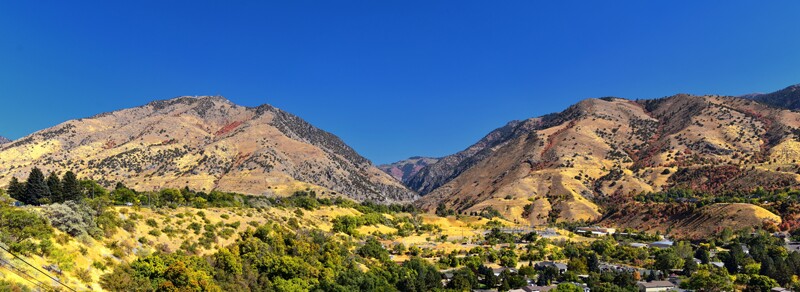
{"x":18,"y":271}
{"x":37,"y":269}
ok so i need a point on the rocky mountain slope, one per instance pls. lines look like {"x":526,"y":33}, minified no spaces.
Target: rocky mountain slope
{"x":204,"y":143}
{"x":598,"y":153}
{"x":4,"y":140}
{"x":788,"y":98}
{"x":403,"y":170}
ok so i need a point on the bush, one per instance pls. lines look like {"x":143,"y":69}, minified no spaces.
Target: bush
{"x":17,"y":225}
{"x":72,"y":218}
{"x":152,"y":223}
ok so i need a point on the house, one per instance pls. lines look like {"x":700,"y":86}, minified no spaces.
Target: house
{"x":779,"y":289}
{"x":661,"y":244}
{"x":718,"y":264}
{"x":534,"y":288}
{"x":596,"y":231}
{"x":793,"y":246}
{"x":655,"y":286}
{"x":561,"y":267}
{"x":498,"y":271}
{"x":638,"y":245}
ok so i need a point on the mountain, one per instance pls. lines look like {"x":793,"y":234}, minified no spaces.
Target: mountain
{"x":4,"y":140}
{"x":403,"y":170}
{"x":204,"y":143}
{"x":586,"y":161}
{"x":788,"y":98}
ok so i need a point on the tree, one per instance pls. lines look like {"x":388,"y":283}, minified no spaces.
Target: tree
{"x":705,"y":280}
{"x":578,"y":265}
{"x":16,"y":190}
{"x":463,"y":280}
{"x":667,"y":260}
{"x":346,"y":224}
{"x":70,"y":187}
{"x":759,"y":283}
{"x":373,"y":249}
{"x":547,"y":275}
{"x":689,"y":266}
{"x":567,"y":287}
{"x":508,"y":258}
{"x":592,"y":262}
{"x":56,"y":190}
{"x":36,"y":191}
{"x":703,"y":255}
{"x":683,"y":249}
{"x":733,"y":259}
{"x":427,"y":277}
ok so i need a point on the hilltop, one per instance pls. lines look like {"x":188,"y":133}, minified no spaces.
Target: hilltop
{"x":205,"y":143}
{"x":788,"y":98}
{"x":404,"y":170}
{"x":581,"y":163}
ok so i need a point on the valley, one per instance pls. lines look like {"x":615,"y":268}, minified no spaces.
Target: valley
{"x":200,"y":194}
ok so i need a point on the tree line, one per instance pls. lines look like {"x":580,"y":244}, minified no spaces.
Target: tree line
{"x":41,"y":190}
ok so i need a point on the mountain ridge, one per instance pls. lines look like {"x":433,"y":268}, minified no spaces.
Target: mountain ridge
{"x":575,"y":164}
{"x":205,"y":142}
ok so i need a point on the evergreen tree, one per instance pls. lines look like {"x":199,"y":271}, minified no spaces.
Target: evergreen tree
{"x":703,"y":255}
{"x":36,"y":191}
{"x":70,"y":187}
{"x":16,"y":190}
{"x":54,"y":185}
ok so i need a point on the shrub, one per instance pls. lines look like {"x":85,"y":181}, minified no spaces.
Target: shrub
{"x":152,"y":223}
{"x":72,"y":218}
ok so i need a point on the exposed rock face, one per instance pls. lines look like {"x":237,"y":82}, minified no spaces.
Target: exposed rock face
{"x":788,"y":98}
{"x":4,"y":140}
{"x":205,"y":143}
{"x":405,"y":169}
{"x":575,"y":164}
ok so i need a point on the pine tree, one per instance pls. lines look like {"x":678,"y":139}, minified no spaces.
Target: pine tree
{"x":54,"y":185}
{"x":16,"y":190}
{"x":70,"y":187}
{"x":36,"y":191}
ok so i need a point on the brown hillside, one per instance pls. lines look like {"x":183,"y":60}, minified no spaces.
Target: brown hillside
{"x":205,"y":143}
{"x":601,"y":151}
{"x":685,"y":222}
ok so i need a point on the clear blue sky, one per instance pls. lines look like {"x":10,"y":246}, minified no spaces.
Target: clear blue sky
{"x":392,"y":78}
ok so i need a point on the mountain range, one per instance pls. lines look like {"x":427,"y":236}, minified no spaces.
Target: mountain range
{"x":4,"y":140}
{"x":205,"y":143}
{"x":581,"y":164}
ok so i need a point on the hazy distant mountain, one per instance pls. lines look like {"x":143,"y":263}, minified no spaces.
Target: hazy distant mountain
{"x":595,"y":155}
{"x":4,"y":140}
{"x":404,"y":169}
{"x":205,"y":143}
{"x":788,"y":98}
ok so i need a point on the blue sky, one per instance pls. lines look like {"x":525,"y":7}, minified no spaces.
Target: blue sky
{"x":392,"y":78}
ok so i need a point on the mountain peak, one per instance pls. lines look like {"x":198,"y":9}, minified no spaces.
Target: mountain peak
{"x":205,"y":143}
{"x":788,"y":98}
{"x":4,"y":140}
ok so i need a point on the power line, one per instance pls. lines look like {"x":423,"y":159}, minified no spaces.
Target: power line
{"x":37,"y":269}
{"x":19,"y":271}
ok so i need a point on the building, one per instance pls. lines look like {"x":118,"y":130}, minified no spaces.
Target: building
{"x":662,"y":244}
{"x":499,"y":271}
{"x":655,"y":286}
{"x":534,"y":288}
{"x":779,"y":289}
{"x":561,"y":267}
{"x":596,"y":231}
